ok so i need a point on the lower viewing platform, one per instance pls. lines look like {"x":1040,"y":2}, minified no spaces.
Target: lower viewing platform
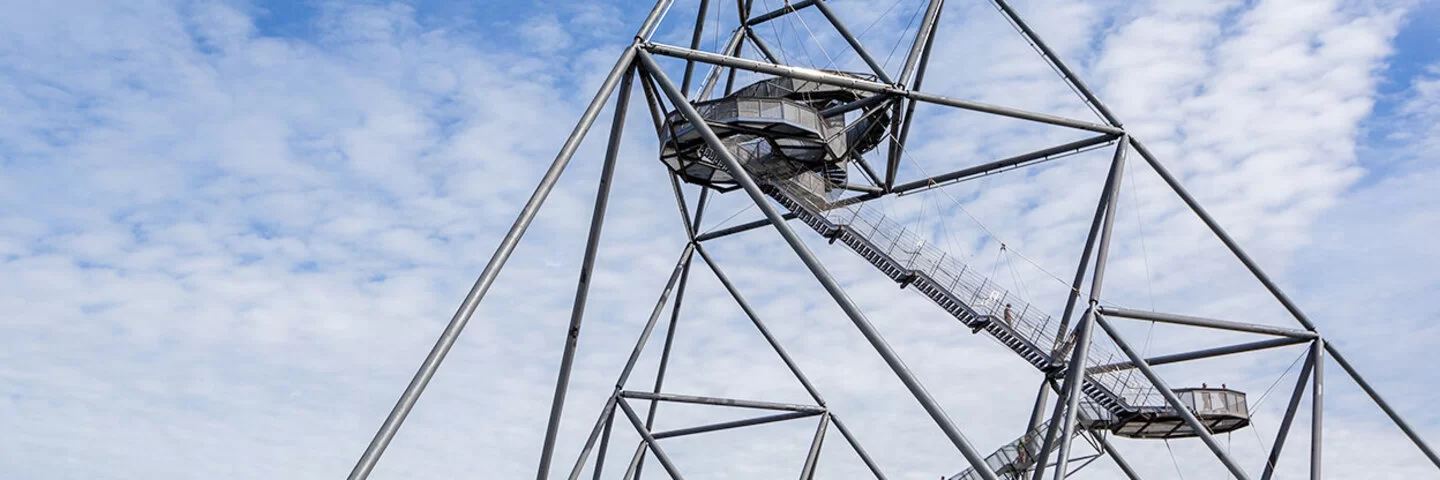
{"x":1219,"y":409}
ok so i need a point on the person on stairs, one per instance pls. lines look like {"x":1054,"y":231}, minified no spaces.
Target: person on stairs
{"x":1009,"y":316}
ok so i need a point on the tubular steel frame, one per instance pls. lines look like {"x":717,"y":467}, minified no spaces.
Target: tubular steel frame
{"x":905,"y":93}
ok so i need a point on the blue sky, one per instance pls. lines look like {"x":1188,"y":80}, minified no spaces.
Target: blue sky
{"x":229,"y":231}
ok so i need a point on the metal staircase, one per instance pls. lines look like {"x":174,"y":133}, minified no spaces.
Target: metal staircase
{"x":970,"y":297}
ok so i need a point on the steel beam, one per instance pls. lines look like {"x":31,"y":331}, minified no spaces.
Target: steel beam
{"x":602,"y":425}
{"x":854,"y":444}
{"x":1317,"y":406}
{"x":650,"y":441}
{"x":721,"y":402}
{"x":760,"y":46}
{"x":1284,"y":432}
{"x":1115,"y":455}
{"x":447,"y":339}
{"x":1052,"y":429}
{"x":745,"y":227}
{"x":923,"y":37}
{"x":690,"y":227}
{"x":732,"y":48}
{"x":1015,"y":161}
{"x":1174,"y":401}
{"x":811,"y":459}
{"x":1380,"y":401}
{"x":818,"y":270}
{"x":779,"y":417}
{"x":900,"y":128}
{"x":1207,"y":323}
{"x":587,"y":267}
{"x":695,"y":42}
{"x":604,"y":448}
{"x":1201,"y":354}
{"x":1050,"y":56}
{"x":869,"y":86}
{"x":779,"y":12}
{"x":854,"y":42}
{"x":760,"y":326}
{"x":1076,"y":373}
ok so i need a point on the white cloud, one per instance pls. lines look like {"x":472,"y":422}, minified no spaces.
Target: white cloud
{"x":224,"y":252}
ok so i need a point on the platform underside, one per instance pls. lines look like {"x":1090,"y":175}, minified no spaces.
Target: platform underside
{"x":1167,"y":425}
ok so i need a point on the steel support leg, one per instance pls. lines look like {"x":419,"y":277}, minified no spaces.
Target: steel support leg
{"x":1380,"y":401}
{"x":587,"y":267}
{"x":1279,"y":295}
{"x":685,"y":257}
{"x":604,"y":447}
{"x":1289,"y":418}
{"x":1317,"y":406}
{"x":816,"y":268}
{"x":695,"y":39}
{"x":902,"y":122}
{"x":1052,"y":430}
{"x":811,"y":459}
{"x":1076,"y":373}
{"x":1042,"y":398}
{"x":1173,"y":400}
{"x":602,"y":427}
{"x":690,"y":228}
{"x":447,"y":339}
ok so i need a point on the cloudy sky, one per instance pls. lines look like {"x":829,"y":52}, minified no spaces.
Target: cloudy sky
{"x":230,"y":230}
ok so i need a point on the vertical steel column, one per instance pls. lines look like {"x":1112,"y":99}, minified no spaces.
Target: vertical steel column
{"x":587,"y":267}
{"x":1100,"y":208}
{"x":685,"y":257}
{"x":1042,"y":398}
{"x":852,"y":311}
{"x":854,"y":42}
{"x":744,"y":12}
{"x":811,"y":459}
{"x":690,"y":228}
{"x":732,"y":48}
{"x":1056,"y":418}
{"x":1289,"y":418}
{"x":898,"y":140}
{"x":604,"y":445}
{"x":1075,"y":376}
{"x":1317,"y":406}
{"x":447,"y":339}
{"x":1172,"y":399}
{"x":695,"y":43}
{"x":1380,"y":401}
{"x":922,"y":38}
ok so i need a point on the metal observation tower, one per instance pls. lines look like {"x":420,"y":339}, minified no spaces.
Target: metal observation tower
{"x":820,"y":148}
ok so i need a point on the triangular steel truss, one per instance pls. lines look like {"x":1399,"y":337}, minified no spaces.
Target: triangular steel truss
{"x":902,"y":93}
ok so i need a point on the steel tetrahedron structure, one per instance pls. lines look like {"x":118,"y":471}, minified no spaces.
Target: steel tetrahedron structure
{"x":818,"y":147}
